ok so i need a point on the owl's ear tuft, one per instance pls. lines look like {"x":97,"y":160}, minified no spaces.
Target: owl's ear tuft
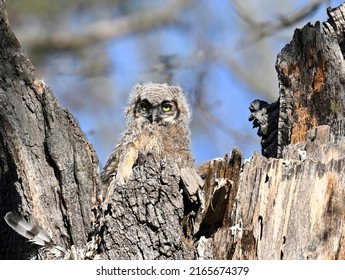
{"x":139,"y":87}
{"x":134,"y":95}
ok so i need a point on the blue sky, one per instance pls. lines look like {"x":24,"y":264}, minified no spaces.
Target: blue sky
{"x":217,"y":28}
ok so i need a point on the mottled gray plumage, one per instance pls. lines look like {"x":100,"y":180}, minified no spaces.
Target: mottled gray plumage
{"x":157,"y":122}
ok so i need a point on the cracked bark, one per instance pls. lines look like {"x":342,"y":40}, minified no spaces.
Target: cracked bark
{"x":48,"y":171}
{"x":145,"y":219}
{"x":297,"y":189}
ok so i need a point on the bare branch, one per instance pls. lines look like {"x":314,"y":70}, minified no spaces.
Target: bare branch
{"x":266,"y":29}
{"x":106,"y":29}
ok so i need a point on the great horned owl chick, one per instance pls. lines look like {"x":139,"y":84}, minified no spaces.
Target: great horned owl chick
{"x":157,"y":122}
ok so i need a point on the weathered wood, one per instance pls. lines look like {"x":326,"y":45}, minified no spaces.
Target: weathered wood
{"x":297,"y":204}
{"x":213,"y":220}
{"x":145,"y":218}
{"x":311,"y":91}
{"x":48,"y":171}
{"x":311,"y":88}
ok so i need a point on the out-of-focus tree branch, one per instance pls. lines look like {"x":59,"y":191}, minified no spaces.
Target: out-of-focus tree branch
{"x":265,"y":29}
{"x":105,"y":29}
{"x":163,"y":41}
{"x":210,"y":117}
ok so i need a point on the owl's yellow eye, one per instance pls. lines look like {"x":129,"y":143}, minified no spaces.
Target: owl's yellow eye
{"x":166,"y":107}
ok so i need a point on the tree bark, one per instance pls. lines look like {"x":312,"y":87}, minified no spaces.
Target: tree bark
{"x":48,"y":171}
{"x":297,"y":204}
{"x":287,"y":203}
{"x":146,"y":216}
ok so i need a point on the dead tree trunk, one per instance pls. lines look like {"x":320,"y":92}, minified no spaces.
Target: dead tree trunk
{"x":48,"y":172}
{"x":292,"y":205}
{"x":287,"y":203}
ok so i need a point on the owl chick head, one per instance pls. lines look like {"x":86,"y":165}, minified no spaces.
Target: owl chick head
{"x":158,"y":103}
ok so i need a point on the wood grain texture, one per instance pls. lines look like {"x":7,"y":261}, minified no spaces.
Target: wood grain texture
{"x":297,"y":205}
{"x":145,"y":218}
{"x":48,"y":170}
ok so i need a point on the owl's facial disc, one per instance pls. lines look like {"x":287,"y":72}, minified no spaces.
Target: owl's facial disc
{"x":165,"y":111}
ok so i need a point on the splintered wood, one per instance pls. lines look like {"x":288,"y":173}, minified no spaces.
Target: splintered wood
{"x":297,"y":205}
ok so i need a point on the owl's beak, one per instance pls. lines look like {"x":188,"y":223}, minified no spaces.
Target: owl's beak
{"x":154,"y":117}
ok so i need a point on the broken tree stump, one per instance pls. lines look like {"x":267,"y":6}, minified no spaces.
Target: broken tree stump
{"x":292,"y":199}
